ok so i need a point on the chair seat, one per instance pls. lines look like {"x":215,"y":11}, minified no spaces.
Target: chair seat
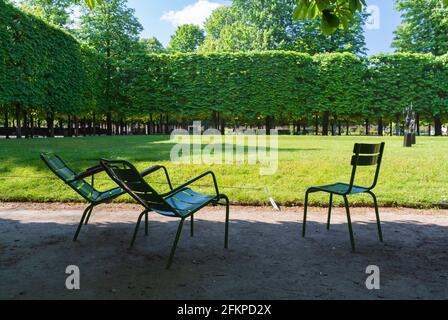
{"x":109,"y":195}
{"x":339,"y":188}
{"x":186,"y":201}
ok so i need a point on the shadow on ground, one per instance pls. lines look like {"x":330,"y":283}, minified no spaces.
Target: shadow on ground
{"x":267,"y":258}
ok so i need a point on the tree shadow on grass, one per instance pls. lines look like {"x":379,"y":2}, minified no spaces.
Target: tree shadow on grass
{"x":83,"y":152}
{"x":264,"y":261}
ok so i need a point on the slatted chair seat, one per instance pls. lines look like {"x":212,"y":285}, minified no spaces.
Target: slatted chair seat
{"x":340,"y":189}
{"x":182,"y":202}
{"x":364,"y":155}
{"x":113,"y":193}
{"x":187,"y":201}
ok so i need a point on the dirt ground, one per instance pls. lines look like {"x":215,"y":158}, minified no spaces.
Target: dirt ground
{"x":267,"y":257}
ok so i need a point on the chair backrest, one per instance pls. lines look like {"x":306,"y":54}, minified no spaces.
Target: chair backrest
{"x":129,"y":179}
{"x":367,"y":155}
{"x":67,"y":175}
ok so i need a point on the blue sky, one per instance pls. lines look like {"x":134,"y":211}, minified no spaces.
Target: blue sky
{"x":160,"y":18}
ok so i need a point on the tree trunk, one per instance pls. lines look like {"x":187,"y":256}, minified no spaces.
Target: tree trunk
{"x":397,"y":124}
{"x":316,"y":125}
{"x":6,"y":124}
{"x":151,"y":124}
{"x":50,"y":125}
{"x":109,"y":123}
{"x":333,"y":128}
{"x":437,"y":126}
{"x":167,"y":125}
{"x":269,"y":124}
{"x":380,"y":126}
{"x":417,"y":123}
{"x":84,"y":127}
{"x":69,"y":127}
{"x":367,"y":127}
{"x":339,"y":128}
{"x":18,"y":122}
{"x":31,"y":128}
{"x":222,"y":126}
{"x":325,"y":122}
{"x":75,"y":119}
{"x":347,"y":124}
{"x":117,"y":128}
{"x":25,"y":124}
{"x":94,"y":124}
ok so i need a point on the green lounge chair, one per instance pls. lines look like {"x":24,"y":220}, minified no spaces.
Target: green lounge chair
{"x":364,"y":155}
{"x":77,"y":183}
{"x":181,"y":202}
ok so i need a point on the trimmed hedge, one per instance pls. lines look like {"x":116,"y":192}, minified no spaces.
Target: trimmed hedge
{"x":44,"y":69}
{"x":45,"y":72}
{"x":290,"y":86}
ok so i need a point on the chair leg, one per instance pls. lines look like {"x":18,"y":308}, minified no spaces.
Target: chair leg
{"x":226,"y":233}
{"x":329,"y":211}
{"x":192,"y":226}
{"x":88,"y":216}
{"x":377,"y":213}
{"x":304,"y":214}
{"x":349,"y":221}
{"x":176,"y":240}
{"x":86,"y":212}
{"x":146,"y":224}
{"x":136,"y":228}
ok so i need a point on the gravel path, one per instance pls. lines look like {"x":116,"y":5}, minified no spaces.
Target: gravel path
{"x":267,"y":258}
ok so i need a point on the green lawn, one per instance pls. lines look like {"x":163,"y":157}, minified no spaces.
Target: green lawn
{"x":414,"y":177}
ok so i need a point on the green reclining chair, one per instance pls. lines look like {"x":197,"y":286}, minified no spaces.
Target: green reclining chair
{"x":181,"y":202}
{"x":77,"y":183}
{"x":364,"y":155}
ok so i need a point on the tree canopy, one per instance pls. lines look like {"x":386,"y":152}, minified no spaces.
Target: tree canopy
{"x":269,"y":25}
{"x":113,"y":30}
{"x":187,"y":38}
{"x":152,"y":45}
{"x":54,"y":11}
{"x":333,"y":13}
{"x":424,"y":27}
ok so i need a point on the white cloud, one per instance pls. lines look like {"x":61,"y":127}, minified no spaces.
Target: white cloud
{"x":195,"y":13}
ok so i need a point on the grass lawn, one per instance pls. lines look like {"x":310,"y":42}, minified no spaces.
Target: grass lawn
{"x":414,"y":177}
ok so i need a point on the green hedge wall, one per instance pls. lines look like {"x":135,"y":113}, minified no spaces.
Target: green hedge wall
{"x":45,"y":71}
{"x":289,"y":85}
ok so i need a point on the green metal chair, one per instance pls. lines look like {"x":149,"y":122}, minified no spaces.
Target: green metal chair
{"x":77,"y":183}
{"x":364,"y":155}
{"x":181,"y":202}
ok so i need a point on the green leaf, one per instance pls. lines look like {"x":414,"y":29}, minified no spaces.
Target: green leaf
{"x":90,"y":3}
{"x":323,"y":4}
{"x":354,"y":5}
{"x":313,"y":11}
{"x":296,"y":13}
{"x":300,"y":12}
{"x":330,"y":22}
